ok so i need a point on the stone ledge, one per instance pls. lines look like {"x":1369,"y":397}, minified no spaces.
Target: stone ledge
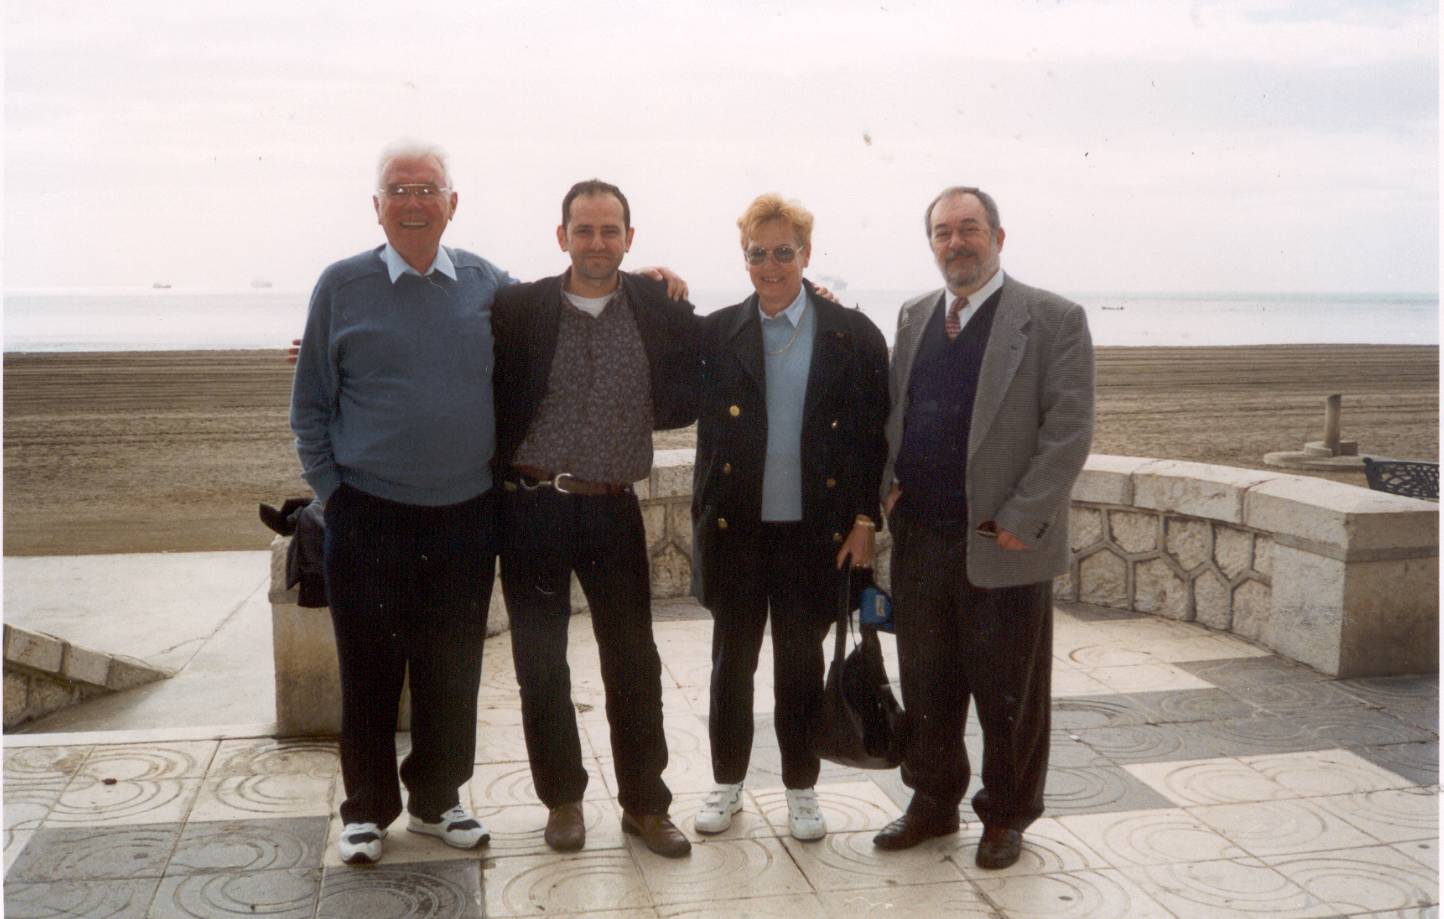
{"x":44,"y":674}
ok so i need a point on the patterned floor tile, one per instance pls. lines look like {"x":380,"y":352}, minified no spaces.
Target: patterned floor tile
{"x":719,"y":870}
{"x":111,"y":899}
{"x":1265,"y":733}
{"x":1069,"y":681}
{"x":1354,"y":880}
{"x":1423,"y":851}
{"x":535,"y":885}
{"x":1211,"y":781}
{"x":1235,"y":887}
{"x":238,"y":797}
{"x":274,"y":894}
{"x":269,"y":756}
{"x":507,"y":744}
{"x":1281,"y":827}
{"x":95,"y":854}
{"x":1077,"y":895}
{"x":1237,"y":673}
{"x":150,"y":762}
{"x":1154,"y":676}
{"x":1192,"y":705}
{"x":432,"y":891}
{"x":1096,"y":790}
{"x":43,"y":764}
{"x":1289,"y":697}
{"x":1151,"y":743}
{"x":1391,"y":815}
{"x":518,"y":829}
{"x":849,"y":861}
{"x":1078,"y":712}
{"x":1389,"y":691}
{"x":89,"y":801}
{"x":1416,"y":762}
{"x":1049,"y":847}
{"x":501,"y":784}
{"x":848,"y":807}
{"x":1358,"y":726}
{"x":15,"y":843}
{"x":1323,"y":772}
{"x":1159,"y":837}
{"x":28,"y":801}
{"x":792,"y":906}
{"x":250,"y":845}
{"x":920,"y":901}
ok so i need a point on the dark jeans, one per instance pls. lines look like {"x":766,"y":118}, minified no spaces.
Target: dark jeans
{"x":796,"y":578}
{"x":409,"y":588}
{"x":549,"y":535}
{"x":958,"y":642}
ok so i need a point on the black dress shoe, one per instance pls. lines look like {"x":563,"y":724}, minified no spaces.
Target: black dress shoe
{"x":1000,"y":847}
{"x":911,"y":829}
{"x":658,"y":832}
{"x":566,"y":827}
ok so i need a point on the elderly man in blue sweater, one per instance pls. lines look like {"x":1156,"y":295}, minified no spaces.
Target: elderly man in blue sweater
{"x":392,"y":410}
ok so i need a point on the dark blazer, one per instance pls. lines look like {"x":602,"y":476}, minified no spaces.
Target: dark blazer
{"x":524,"y":322}
{"x":844,"y":446}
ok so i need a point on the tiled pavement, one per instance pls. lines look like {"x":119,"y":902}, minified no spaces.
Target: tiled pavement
{"x":1193,"y":775}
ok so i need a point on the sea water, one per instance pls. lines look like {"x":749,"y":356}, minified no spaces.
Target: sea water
{"x":131,"y":319}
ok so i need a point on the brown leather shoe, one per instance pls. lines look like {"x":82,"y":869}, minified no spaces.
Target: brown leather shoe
{"x":658,"y":832}
{"x":566,"y":827}
{"x":911,"y":829}
{"x":1000,"y":847}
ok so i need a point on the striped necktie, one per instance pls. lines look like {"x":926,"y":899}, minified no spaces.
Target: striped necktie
{"x":954,"y":325}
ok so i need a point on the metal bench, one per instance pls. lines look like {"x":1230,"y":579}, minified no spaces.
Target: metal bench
{"x":1403,"y":477}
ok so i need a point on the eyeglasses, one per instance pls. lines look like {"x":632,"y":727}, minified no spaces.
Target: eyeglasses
{"x":422,"y":190}
{"x":784,"y":254}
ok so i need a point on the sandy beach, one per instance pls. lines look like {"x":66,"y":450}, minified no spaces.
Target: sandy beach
{"x":172,"y":451}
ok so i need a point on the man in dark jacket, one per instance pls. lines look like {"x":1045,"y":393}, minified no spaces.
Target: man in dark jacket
{"x":588,"y":364}
{"x":790,"y":452}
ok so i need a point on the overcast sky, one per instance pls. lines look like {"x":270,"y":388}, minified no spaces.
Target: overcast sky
{"x":1248,"y":145}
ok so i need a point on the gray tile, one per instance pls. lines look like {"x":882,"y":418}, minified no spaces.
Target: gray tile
{"x":432,"y":890}
{"x":1076,"y":712}
{"x":1417,"y":762}
{"x":1391,"y":689}
{"x":1263,"y":734}
{"x":1085,"y":613}
{"x":1152,"y":743}
{"x":1066,"y":750}
{"x":274,"y":894}
{"x":1184,"y":705}
{"x":1230,"y":672}
{"x":1095,"y":790}
{"x":93,"y":853}
{"x":250,"y":845}
{"x":1288,"y":697}
{"x":108,"y":899}
{"x":1348,"y":726}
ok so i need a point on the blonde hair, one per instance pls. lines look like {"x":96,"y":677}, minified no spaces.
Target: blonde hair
{"x":772,"y":206}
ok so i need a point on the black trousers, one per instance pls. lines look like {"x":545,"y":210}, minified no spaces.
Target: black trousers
{"x":956,"y":643}
{"x":409,"y":589}
{"x":795,"y":578}
{"x":549,"y":535}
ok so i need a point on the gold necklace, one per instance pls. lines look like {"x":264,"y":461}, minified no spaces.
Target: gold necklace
{"x":795,"y":332}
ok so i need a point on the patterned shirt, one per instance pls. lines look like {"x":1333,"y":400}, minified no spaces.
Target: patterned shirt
{"x":595,"y":420}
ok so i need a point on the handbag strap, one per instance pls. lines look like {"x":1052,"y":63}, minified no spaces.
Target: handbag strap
{"x":844,"y":615}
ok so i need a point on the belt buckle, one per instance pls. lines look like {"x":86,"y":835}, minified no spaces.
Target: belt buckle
{"x":556,"y":482}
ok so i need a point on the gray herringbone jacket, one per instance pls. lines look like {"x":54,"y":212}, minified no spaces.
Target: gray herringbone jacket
{"x":1032,"y":427}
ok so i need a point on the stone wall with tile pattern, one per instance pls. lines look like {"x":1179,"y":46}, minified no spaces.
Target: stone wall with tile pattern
{"x":1335,"y":576}
{"x":44,"y":674}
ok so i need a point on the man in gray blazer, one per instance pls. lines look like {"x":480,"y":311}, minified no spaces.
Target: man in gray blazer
{"x":992,"y":416}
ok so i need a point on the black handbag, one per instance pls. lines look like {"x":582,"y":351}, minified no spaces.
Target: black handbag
{"x":860,"y":723}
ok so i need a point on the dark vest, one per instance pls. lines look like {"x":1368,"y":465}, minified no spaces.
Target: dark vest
{"x":932,"y":462}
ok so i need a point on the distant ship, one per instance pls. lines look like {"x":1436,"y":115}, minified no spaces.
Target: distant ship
{"x":161,"y":285}
{"x":837,"y":285}
{"x":260,"y":282}
{"x":1113,"y":307}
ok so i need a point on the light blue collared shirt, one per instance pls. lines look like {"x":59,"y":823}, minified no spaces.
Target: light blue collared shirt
{"x":396,"y":266}
{"x":786,"y":375}
{"x":976,"y":299}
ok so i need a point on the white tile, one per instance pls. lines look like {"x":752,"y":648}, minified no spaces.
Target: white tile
{"x":1281,"y":827}
{"x":1153,"y":837}
{"x":1206,"y":781}
{"x":1323,"y":772}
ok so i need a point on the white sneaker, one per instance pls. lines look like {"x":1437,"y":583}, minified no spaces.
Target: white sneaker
{"x":804,"y":817}
{"x":717,"y":810}
{"x":456,"y":828}
{"x":360,"y":843}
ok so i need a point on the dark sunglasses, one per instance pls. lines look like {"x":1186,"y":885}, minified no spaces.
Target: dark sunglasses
{"x":784,"y":254}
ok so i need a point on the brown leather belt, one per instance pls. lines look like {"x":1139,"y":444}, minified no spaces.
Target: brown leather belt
{"x":565,"y":482}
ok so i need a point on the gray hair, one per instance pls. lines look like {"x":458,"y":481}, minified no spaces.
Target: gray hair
{"x":412,"y":149}
{"x":990,"y":207}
